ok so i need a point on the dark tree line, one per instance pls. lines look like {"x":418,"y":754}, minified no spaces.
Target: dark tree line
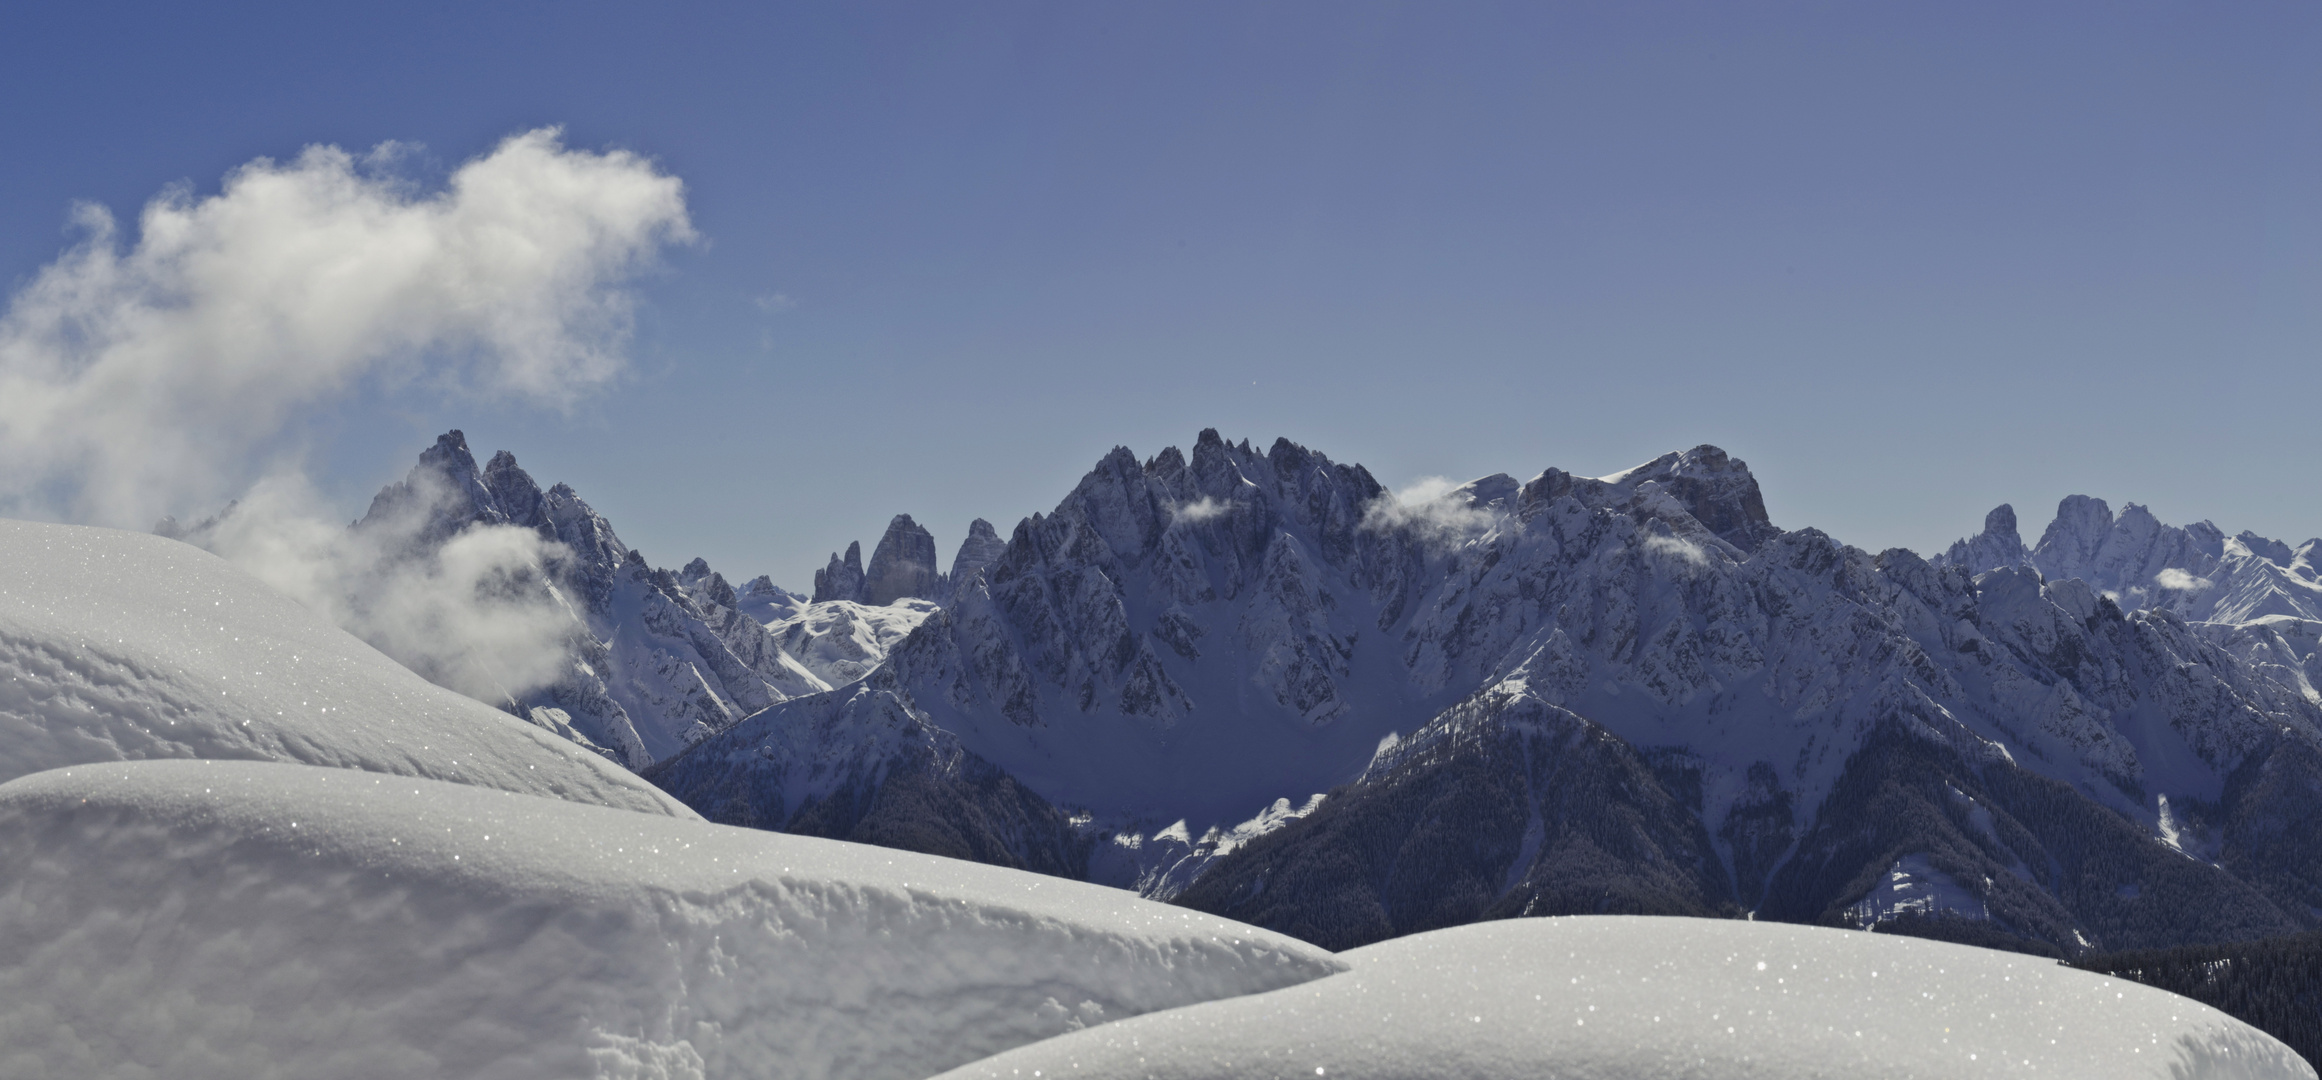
{"x":2274,"y":984}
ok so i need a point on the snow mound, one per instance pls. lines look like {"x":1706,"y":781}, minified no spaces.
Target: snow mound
{"x":117,"y":645}
{"x":234,"y":919}
{"x":1642,"y":998}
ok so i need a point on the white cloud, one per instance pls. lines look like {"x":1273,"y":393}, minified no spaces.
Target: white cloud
{"x":775,"y":302}
{"x":1427,"y":507}
{"x":2177,"y":580}
{"x":1201,"y":509}
{"x":475,"y":613}
{"x":1426,"y":489}
{"x":138,"y":377}
{"x":1678,"y":547}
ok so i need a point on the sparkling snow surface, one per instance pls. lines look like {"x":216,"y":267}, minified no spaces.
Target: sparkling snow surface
{"x":192,"y":919}
{"x":117,"y":645}
{"x":1637,"y":998}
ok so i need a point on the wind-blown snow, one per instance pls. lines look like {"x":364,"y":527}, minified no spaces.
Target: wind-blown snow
{"x":118,"y":645}
{"x":1638,"y":998}
{"x":234,"y":919}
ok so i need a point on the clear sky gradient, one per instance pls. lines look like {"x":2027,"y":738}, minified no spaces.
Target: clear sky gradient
{"x":1908,"y":260}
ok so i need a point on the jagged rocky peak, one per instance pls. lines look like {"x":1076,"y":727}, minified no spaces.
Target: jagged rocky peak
{"x":447,"y":491}
{"x":2081,"y":526}
{"x":2133,"y":554}
{"x":1717,"y":489}
{"x":2264,"y":548}
{"x":1998,"y":545}
{"x":763,"y":586}
{"x":982,"y":548}
{"x":1499,"y":491}
{"x":707,"y":584}
{"x":902,"y":565}
{"x":842,"y":579}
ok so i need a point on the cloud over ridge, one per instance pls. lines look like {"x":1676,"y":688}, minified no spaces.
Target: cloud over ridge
{"x":138,"y":376}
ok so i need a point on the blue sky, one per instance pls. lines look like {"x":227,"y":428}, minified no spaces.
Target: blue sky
{"x":1909,"y":261}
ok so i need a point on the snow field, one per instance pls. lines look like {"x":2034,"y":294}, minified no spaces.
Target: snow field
{"x":1644,"y":998}
{"x":195,"y":919}
{"x":117,"y":645}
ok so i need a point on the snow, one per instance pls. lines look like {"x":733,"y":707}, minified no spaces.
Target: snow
{"x":1639,"y":998}
{"x":117,"y":645}
{"x":1162,"y":865}
{"x":841,"y":641}
{"x":1914,"y":886}
{"x":235,"y":919}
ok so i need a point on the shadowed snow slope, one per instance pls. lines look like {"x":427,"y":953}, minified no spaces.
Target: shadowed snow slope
{"x":117,"y":645}
{"x":1647,"y":998}
{"x":234,"y":919}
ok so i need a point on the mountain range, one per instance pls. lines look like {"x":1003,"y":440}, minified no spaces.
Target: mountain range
{"x":1257,"y":684}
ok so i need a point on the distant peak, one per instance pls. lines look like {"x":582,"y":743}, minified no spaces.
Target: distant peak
{"x":1716,"y":488}
{"x":1998,"y":546}
{"x":449,"y":454}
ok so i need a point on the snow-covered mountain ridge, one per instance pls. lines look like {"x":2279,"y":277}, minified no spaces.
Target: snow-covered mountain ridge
{"x":647,"y":660}
{"x":1189,"y":638}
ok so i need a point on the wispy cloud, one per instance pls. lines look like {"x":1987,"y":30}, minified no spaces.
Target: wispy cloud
{"x":1429,"y":508}
{"x":142,"y":375}
{"x":1200,"y":510}
{"x":1677,"y":547}
{"x":2177,"y":580}
{"x":474,"y":613}
{"x":774,"y":302}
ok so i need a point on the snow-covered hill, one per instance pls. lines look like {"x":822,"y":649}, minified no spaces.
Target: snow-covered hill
{"x":119,"y":646}
{"x":234,"y":920}
{"x":1650,"y":998}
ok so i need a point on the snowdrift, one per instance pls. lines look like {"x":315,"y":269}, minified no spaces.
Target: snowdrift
{"x":197,"y":919}
{"x":117,"y":645}
{"x":1641,"y":998}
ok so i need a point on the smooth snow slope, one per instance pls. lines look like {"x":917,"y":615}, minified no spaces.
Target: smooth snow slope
{"x":1637,"y":998}
{"x":117,"y":645}
{"x":236,"y":919}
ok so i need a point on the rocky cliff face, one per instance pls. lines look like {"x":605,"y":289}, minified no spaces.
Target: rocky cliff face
{"x":903,"y":566}
{"x":981,"y":549}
